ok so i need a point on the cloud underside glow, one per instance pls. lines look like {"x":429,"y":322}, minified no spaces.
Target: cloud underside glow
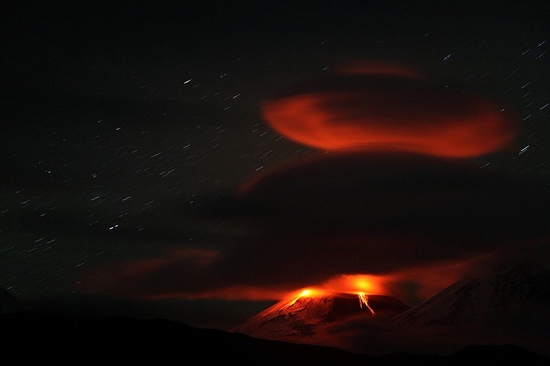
{"x":441,"y":124}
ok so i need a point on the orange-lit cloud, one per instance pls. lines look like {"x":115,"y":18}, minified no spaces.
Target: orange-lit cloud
{"x":237,"y":292}
{"x":387,"y":108}
{"x":430,"y":278}
{"x":378,"y":67}
{"x":348,"y":283}
{"x":136,"y":278}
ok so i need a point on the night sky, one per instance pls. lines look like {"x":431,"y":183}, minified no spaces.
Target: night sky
{"x":139,"y":176}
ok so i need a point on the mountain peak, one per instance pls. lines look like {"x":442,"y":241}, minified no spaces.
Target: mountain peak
{"x":303,"y":315}
{"x":513,"y":289}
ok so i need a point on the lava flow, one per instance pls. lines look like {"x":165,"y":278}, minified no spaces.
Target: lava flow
{"x":364,"y":300}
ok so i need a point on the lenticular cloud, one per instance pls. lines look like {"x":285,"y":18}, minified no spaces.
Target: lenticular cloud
{"x":387,"y":110}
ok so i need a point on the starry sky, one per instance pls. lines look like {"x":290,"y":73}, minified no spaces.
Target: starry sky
{"x":129,"y":126}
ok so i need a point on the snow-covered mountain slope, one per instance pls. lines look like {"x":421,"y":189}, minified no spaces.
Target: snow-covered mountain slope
{"x":302,"y":316}
{"x":513,"y":292}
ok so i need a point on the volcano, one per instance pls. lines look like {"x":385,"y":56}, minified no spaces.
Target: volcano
{"x":510,"y":305}
{"x":301,"y":318}
{"x":512,"y":292}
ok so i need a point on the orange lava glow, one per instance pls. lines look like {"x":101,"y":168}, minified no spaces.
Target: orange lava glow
{"x":307,"y":292}
{"x":356,"y":283}
{"x":433,"y":122}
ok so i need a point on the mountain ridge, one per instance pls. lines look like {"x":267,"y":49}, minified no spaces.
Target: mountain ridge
{"x":509,"y":290}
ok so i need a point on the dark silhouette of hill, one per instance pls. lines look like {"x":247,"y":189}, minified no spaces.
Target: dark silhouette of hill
{"x":495,"y":355}
{"x":63,"y":340}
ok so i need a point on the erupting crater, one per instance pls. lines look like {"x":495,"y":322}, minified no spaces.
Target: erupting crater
{"x":299,"y":317}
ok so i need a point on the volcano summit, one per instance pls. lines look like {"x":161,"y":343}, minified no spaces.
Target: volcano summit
{"x":301,"y":318}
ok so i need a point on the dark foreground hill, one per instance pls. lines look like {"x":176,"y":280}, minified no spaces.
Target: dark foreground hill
{"x":63,"y":340}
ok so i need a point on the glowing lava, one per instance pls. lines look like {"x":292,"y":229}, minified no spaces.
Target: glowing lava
{"x":308,"y":292}
{"x":358,"y":284}
{"x":353,"y":284}
{"x":364,"y":300}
